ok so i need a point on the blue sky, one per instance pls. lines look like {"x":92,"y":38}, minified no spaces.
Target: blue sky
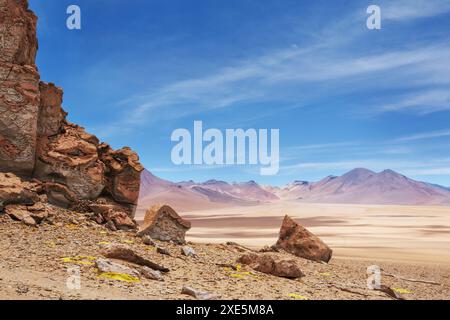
{"x":342,"y":96}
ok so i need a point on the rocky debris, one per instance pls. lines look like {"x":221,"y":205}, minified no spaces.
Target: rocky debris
{"x":197,"y":294}
{"x":147,"y":240}
{"x":116,"y":215}
{"x":14,"y":190}
{"x":107,"y":266}
{"x":298,"y":241}
{"x":163,"y":223}
{"x":20,"y":200}
{"x":20,"y":213}
{"x":36,"y":140}
{"x":188,"y":252}
{"x":271,"y":264}
{"x":151,"y":274}
{"x":272,"y":248}
{"x":122,"y":252}
{"x":162,"y":250}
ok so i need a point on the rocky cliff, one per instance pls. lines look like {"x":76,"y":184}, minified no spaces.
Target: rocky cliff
{"x":36,"y":140}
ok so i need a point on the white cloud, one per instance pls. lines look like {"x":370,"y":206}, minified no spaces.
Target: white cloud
{"x":407,"y":9}
{"x":424,"y":135}
{"x":423,"y":102}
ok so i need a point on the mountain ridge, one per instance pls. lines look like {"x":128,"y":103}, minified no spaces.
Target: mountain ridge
{"x":357,"y":186}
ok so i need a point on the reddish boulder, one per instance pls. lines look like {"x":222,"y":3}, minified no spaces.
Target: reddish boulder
{"x":163,"y":223}
{"x":297,"y":240}
{"x":123,"y":172}
{"x":272,"y":264}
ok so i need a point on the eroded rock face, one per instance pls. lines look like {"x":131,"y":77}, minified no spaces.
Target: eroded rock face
{"x":18,"y":42}
{"x":36,"y":140}
{"x":71,"y":159}
{"x":297,"y":240}
{"x":19,"y":87}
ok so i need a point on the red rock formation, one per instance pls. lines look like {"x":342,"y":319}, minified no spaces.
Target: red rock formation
{"x":297,"y":240}
{"x":36,"y":140}
{"x":19,"y":87}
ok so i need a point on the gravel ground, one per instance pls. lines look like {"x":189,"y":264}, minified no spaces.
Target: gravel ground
{"x":32,"y":266}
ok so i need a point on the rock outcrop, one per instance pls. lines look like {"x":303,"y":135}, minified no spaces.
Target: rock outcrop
{"x":19,"y":87}
{"x":36,"y":140}
{"x":297,"y":240}
{"x":163,"y":223}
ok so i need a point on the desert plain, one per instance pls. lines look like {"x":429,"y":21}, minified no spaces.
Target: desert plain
{"x":413,"y":234}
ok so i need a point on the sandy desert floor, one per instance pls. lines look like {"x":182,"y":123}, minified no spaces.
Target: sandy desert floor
{"x":35,"y":262}
{"x":392,"y":233}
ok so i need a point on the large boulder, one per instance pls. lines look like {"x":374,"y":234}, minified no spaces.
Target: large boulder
{"x":123,"y":173}
{"x":271,"y":264}
{"x":163,"y":223}
{"x":296,"y":240}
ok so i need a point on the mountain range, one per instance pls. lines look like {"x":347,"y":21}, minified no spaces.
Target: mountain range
{"x":358,"y":186}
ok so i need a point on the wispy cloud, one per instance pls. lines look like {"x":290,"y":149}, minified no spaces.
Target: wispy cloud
{"x":424,"y":135}
{"x":258,"y":80}
{"x":407,"y":9}
{"x":424,"y":102}
{"x":320,"y":63}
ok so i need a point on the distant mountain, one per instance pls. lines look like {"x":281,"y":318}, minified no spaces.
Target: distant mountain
{"x":189,"y":195}
{"x":367,"y":187}
{"x":358,"y":186}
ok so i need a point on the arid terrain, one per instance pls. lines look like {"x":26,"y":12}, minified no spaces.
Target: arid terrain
{"x":383,"y":232}
{"x":35,"y":261}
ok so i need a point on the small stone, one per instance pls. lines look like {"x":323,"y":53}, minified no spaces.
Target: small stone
{"x":188,"y":252}
{"x":125,"y":253}
{"x":151,"y":274}
{"x":147,"y":240}
{"x":111,"y":226}
{"x":107,"y":266}
{"x":162,"y":250}
{"x":200,"y":295}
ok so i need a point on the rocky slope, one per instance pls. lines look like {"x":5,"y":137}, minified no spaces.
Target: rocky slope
{"x":70,"y":166}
